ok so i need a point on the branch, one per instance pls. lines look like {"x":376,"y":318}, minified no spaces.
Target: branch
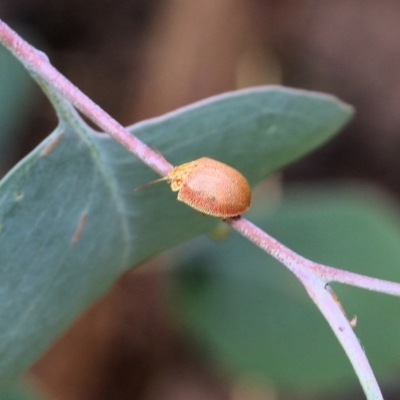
{"x":315,"y":277}
{"x":298,"y":264}
{"x":38,"y":63}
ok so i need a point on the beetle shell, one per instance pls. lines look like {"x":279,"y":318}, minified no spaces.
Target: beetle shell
{"x":211,"y":187}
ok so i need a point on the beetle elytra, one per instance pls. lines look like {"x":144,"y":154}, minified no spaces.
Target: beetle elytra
{"x":211,"y":187}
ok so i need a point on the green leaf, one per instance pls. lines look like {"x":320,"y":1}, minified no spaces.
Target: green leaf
{"x":16,"y":93}
{"x":71,"y":221}
{"x":21,"y":391}
{"x":256,"y":318}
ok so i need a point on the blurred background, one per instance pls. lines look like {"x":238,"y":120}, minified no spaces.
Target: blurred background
{"x":141,"y":58}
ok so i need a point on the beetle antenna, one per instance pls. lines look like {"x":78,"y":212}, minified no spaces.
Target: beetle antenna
{"x":152,"y":182}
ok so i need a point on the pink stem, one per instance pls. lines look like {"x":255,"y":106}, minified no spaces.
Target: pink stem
{"x":38,"y":63}
{"x":315,"y":278}
{"x":298,"y":264}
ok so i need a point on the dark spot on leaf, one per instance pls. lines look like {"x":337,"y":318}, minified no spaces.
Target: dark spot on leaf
{"x":19,"y":195}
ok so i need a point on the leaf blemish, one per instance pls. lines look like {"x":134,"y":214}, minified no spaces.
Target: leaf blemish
{"x":79,"y":229}
{"x":50,"y":147}
{"x":19,"y":195}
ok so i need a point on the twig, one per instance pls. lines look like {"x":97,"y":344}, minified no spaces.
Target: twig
{"x":315,"y":278}
{"x":38,"y":63}
{"x":297,"y":263}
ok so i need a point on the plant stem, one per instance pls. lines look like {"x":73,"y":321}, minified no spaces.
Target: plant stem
{"x":38,"y":63}
{"x":297,"y":263}
{"x":314,"y":279}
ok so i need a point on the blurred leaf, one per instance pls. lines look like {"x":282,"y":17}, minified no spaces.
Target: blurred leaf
{"x":20,"y":391}
{"x":252,"y":314}
{"x":71,"y":222}
{"x":15,"y":94}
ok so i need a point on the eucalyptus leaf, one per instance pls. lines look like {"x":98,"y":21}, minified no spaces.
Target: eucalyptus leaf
{"x":71,"y":220}
{"x":16,"y":95}
{"x":21,"y":391}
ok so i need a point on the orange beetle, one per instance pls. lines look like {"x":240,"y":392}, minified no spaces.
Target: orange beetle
{"x":211,"y":187}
